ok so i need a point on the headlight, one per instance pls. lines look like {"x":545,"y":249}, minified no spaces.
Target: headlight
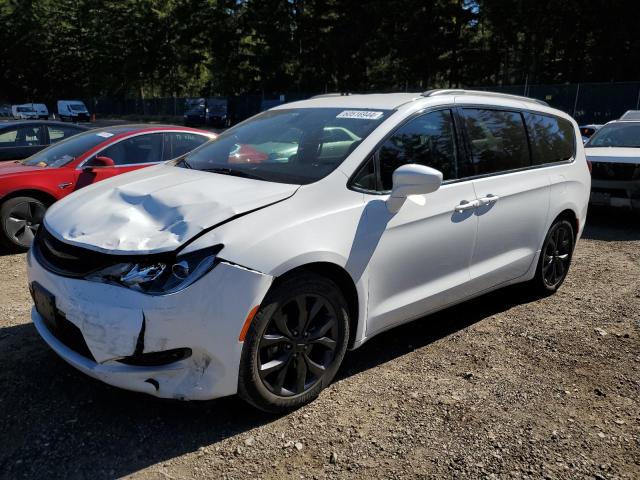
{"x":159,"y":277}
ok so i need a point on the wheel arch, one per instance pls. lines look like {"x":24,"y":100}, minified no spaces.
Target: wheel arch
{"x":45,"y":197}
{"x":571,"y":216}
{"x":344,"y":281}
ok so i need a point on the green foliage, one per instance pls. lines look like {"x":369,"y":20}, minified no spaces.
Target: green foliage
{"x":52,"y":49}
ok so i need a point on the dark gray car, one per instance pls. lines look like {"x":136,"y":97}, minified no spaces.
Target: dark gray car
{"x":22,"y":138}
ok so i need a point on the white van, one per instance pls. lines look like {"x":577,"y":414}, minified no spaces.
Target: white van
{"x":41,"y":109}
{"x":251,"y":264}
{"x":73,"y":111}
{"x":23,"y":112}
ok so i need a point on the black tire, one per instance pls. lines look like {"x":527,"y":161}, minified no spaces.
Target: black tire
{"x":555,"y":258}
{"x":321,"y":342}
{"x":20,"y":218}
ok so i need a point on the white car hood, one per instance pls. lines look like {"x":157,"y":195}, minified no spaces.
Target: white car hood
{"x":613,"y":154}
{"x":156,"y":209}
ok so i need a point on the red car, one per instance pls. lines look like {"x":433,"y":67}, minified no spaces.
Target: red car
{"x":29,"y":186}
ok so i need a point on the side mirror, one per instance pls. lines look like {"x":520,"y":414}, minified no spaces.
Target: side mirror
{"x":412,"y":179}
{"x":103,"y":162}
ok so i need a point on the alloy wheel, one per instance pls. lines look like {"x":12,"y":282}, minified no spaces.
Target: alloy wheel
{"x":557,"y":255}
{"x":23,"y":221}
{"x":298,"y":345}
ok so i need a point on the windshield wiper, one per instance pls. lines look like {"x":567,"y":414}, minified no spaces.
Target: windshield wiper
{"x":235,"y":173}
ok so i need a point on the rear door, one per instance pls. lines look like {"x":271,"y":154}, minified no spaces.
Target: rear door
{"x":513,"y":196}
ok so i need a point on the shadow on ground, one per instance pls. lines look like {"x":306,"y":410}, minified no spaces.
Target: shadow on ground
{"x":611,"y":225}
{"x":57,"y":422}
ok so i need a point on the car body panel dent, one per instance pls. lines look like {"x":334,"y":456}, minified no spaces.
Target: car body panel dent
{"x":156,"y":210}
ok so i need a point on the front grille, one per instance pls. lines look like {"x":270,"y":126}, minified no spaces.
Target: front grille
{"x":71,"y":336}
{"x":65,"y":259}
{"x":615,"y":171}
{"x":76,"y":262}
{"x":157,"y":359}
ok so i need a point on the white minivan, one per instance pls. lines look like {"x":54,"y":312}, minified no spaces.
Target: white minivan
{"x":250,"y":265}
{"x":73,"y":111}
{"x":42,"y":110}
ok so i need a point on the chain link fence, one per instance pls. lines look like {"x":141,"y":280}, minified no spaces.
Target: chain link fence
{"x":586,"y":102}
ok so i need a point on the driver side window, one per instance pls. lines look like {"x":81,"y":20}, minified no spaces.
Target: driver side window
{"x":426,"y":140}
{"x":135,"y":150}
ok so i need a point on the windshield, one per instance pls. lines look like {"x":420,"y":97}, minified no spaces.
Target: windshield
{"x":25,"y":109}
{"x":65,"y":151}
{"x":625,"y":134}
{"x":77,"y":107}
{"x":298,"y":146}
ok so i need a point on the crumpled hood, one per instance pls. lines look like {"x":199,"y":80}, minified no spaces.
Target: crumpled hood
{"x":156,"y":209}
{"x":613,"y":154}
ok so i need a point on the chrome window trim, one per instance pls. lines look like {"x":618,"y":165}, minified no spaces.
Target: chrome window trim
{"x":453,"y":107}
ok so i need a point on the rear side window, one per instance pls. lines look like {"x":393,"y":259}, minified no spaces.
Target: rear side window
{"x":181,"y":143}
{"x":57,"y":133}
{"x":498,"y":140}
{"x":552,"y":139}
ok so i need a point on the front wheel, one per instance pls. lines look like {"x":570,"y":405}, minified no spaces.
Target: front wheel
{"x":555,"y":258}
{"x":20,"y":218}
{"x":295,"y":344}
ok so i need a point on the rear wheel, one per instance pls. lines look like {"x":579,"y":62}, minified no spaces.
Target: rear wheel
{"x":20,"y":218}
{"x":295,"y":344}
{"x":555,"y":258}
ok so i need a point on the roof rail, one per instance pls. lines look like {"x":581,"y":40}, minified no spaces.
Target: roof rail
{"x":334,"y":94}
{"x":458,"y":91}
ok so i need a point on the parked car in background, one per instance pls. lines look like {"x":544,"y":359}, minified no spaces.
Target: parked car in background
{"x":614,"y":153}
{"x":195,"y":114}
{"x":73,"y":111}
{"x":29,"y":187}
{"x":588,"y":130}
{"x":211,"y":111}
{"x":41,"y":109}
{"x":254,"y":278}
{"x":5,"y":111}
{"x":22,"y":138}
{"x":217,"y":113}
{"x":23,"y":112}
{"x":631,"y":115}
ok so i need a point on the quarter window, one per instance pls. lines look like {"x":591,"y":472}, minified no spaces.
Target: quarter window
{"x":552,"y":139}
{"x":498,"y":140}
{"x":426,"y":140}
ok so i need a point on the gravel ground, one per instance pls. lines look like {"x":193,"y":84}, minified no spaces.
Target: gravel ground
{"x":498,"y":387}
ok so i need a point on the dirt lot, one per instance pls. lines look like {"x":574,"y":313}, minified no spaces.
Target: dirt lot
{"x":498,"y":387}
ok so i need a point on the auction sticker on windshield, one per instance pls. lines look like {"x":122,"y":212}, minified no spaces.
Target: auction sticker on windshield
{"x":360,"y":114}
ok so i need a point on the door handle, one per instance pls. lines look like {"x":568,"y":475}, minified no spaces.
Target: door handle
{"x":467,"y":205}
{"x":489,"y":199}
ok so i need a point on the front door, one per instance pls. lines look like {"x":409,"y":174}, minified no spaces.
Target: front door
{"x":420,"y":255}
{"x":129,"y":154}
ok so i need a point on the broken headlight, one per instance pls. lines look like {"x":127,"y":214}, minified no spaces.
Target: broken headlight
{"x":160,"y":276}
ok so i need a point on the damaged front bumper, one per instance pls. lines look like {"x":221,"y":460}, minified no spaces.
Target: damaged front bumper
{"x":113,"y":329}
